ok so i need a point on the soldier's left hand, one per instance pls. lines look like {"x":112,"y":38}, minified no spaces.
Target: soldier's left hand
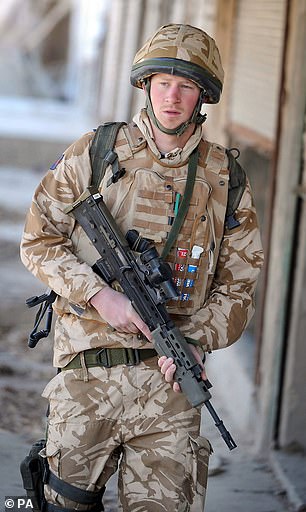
{"x":168,"y":368}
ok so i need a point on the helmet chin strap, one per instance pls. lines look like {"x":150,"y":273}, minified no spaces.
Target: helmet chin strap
{"x":196,"y":116}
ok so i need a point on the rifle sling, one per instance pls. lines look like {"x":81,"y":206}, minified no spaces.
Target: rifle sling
{"x":101,"y":152}
{"x":183,"y":209}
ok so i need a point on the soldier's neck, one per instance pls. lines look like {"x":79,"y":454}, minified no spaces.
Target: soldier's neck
{"x":166,"y":143}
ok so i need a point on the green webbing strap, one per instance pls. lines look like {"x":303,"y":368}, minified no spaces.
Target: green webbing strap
{"x":192,"y":341}
{"x":109,"y":357}
{"x":102,"y":154}
{"x":183,"y":209}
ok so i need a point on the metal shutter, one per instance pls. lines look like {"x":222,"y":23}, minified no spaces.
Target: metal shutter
{"x":256,"y":65}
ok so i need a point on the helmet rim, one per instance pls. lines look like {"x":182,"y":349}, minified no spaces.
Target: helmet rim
{"x":211,"y":85}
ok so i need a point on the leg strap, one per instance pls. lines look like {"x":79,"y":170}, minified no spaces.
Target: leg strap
{"x":74,"y":493}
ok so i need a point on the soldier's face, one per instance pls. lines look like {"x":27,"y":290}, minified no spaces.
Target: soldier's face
{"x":173,"y":99}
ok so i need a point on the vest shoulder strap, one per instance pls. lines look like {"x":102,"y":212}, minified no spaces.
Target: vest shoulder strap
{"x":236,"y":186}
{"x":102,"y":154}
{"x":214,"y":158}
{"x":107,"y":150}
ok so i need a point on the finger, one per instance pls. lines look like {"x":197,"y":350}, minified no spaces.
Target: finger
{"x":132,"y":328}
{"x":169,"y":374}
{"x":143,"y":328}
{"x":140,"y":325}
{"x":168,"y":362}
{"x":161,"y":361}
{"x":127,"y":328}
{"x":176,"y":387}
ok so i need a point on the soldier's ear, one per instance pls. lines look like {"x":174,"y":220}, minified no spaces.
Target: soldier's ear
{"x":146,"y":84}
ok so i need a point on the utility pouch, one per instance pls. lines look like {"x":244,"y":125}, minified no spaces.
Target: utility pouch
{"x":34,"y":469}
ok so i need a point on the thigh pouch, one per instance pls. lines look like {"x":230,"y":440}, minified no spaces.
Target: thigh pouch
{"x":36,"y":473}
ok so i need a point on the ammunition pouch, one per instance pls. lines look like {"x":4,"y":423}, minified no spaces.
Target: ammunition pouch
{"x":35,"y":474}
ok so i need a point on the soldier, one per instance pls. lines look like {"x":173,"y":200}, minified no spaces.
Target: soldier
{"x":128,"y":416}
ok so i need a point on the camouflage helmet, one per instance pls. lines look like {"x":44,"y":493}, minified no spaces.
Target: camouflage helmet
{"x":181,"y":50}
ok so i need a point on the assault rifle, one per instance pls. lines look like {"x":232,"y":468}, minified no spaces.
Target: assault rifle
{"x":146,"y":280}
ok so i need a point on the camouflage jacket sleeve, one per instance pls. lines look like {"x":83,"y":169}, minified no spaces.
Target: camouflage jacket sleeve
{"x":229,"y":304}
{"x":46,"y":246}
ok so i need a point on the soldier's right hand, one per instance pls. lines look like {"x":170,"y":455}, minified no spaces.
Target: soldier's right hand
{"x":116,"y":309}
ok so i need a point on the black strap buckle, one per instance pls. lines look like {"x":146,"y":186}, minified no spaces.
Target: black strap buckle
{"x":132,"y":356}
{"x":111,"y":357}
{"x":111,"y":158}
{"x":102,"y":358}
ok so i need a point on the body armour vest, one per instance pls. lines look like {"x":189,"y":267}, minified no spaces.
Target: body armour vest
{"x":147,"y":197}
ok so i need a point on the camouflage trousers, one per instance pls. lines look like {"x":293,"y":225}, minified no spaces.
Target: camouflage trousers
{"x":126,"y":418}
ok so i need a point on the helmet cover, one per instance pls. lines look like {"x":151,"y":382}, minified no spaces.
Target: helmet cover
{"x":181,"y":50}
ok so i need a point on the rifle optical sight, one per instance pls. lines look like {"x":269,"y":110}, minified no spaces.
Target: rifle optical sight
{"x":158,"y":272}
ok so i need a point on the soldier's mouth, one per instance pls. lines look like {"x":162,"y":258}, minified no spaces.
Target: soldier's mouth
{"x":171,"y":113}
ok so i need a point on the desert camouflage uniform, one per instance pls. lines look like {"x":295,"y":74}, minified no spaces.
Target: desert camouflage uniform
{"x":100,"y":414}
